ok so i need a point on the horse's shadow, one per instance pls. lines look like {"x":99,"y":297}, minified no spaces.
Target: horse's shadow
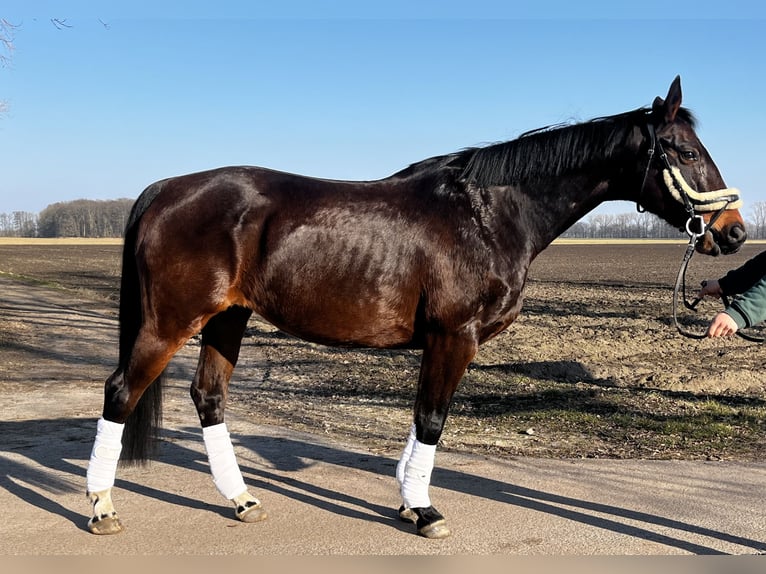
{"x":287,"y":454}
{"x":54,"y":473}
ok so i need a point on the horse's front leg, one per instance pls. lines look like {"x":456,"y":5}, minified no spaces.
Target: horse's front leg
{"x":445,"y":359}
{"x":221,"y":339}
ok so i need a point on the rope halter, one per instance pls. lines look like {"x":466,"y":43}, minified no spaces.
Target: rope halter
{"x":695,"y":202}
{"x":707,"y":201}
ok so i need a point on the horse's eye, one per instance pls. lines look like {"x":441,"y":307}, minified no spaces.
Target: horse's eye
{"x":689,"y":155}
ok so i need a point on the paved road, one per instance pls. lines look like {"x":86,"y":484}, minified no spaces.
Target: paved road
{"x":324,"y":498}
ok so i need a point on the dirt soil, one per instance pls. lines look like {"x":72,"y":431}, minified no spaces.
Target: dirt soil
{"x":593,"y":368}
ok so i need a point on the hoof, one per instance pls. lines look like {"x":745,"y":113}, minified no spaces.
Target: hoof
{"x":105,"y":525}
{"x":436,"y":530}
{"x":429,"y":522}
{"x":251,"y":511}
{"x":407,"y":514}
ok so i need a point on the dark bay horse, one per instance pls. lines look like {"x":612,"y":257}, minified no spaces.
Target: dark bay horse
{"x":434,"y":257}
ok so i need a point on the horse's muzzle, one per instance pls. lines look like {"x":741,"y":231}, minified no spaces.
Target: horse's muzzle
{"x":722,"y":241}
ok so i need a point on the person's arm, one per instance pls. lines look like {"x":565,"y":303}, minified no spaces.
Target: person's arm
{"x":750,"y":307}
{"x":741,"y":279}
{"x":745,"y":311}
{"x":710,"y":287}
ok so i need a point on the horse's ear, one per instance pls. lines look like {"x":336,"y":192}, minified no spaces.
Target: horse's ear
{"x":668,"y":108}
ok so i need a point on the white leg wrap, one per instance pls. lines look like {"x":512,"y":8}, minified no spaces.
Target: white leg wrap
{"x":417,"y":475}
{"x":223,"y":463}
{"x":102,"y":467}
{"x":405,"y":456}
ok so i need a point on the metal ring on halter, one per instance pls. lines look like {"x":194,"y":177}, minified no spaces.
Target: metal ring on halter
{"x":699,"y":221}
{"x":695,"y":219}
{"x":680,"y":290}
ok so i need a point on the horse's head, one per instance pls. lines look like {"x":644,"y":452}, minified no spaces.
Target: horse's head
{"x":682,"y":183}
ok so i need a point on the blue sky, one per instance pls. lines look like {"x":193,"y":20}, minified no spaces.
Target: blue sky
{"x":352,"y":90}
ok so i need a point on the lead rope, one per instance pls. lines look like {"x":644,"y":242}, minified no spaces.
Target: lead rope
{"x":695,"y":228}
{"x":680,"y":286}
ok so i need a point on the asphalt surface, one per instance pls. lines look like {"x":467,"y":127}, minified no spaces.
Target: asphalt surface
{"x":323,"y":497}
{"x":326,"y":498}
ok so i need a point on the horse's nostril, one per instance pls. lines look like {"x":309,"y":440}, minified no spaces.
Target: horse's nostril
{"x":737,"y":234}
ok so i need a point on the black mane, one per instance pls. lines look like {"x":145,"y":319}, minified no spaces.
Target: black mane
{"x":433,"y":164}
{"x":551,"y":151}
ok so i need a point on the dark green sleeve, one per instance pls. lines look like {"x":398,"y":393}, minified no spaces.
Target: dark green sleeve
{"x":741,"y":279}
{"x":749,"y":308}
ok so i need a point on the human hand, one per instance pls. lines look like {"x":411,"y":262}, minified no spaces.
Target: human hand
{"x":710,"y":287}
{"x":722,"y":325}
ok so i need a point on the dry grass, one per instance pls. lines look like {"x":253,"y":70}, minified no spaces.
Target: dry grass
{"x":60,"y":241}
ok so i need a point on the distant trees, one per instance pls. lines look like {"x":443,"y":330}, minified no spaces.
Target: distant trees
{"x":647,"y":226}
{"x":92,"y":218}
{"x":18,"y":224}
{"x":80,"y":218}
{"x":622,"y":226}
{"x":84,"y":218}
{"x":756,"y":225}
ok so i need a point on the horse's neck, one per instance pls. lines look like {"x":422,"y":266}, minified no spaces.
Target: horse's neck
{"x":561,"y":201}
{"x":548,"y":209}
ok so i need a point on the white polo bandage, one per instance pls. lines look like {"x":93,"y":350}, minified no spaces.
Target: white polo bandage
{"x":405,"y":456}
{"x":102,"y":467}
{"x":223,"y":463}
{"x":702,"y":201}
{"x":417,"y":475}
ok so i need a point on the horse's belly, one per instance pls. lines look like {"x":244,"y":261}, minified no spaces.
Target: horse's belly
{"x":343,"y":278}
{"x":331,"y":320}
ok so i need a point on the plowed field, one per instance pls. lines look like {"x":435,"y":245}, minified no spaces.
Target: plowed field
{"x":594,"y":367}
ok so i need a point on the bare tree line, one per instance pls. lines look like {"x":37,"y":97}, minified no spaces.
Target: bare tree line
{"x":80,"y":218}
{"x":647,"y":226}
{"x":92,"y":218}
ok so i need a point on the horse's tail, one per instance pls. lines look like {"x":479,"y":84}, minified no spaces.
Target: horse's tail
{"x":141,"y":435}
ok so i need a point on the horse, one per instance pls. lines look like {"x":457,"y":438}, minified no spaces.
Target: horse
{"x":434,"y":257}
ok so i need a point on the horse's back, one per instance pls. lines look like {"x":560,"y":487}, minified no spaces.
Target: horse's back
{"x":331,"y":261}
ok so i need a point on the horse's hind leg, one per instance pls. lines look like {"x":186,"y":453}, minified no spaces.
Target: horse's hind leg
{"x":148,"y":358}
{"x":102,"y":470}
{"x":221,"y":340}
